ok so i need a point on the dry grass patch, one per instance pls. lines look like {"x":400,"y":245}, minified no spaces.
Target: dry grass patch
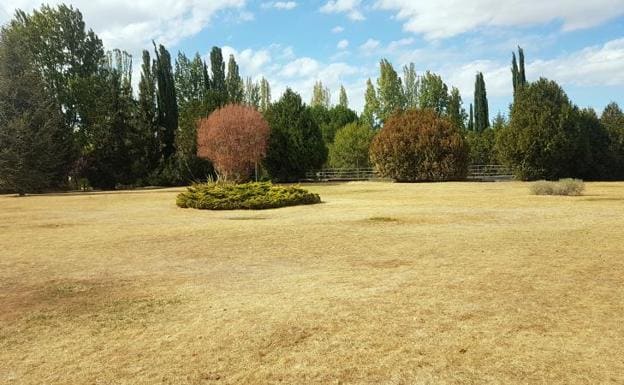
{"x":476,"y":283}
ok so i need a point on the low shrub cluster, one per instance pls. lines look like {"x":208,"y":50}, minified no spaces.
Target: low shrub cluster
{"x":572,"y":187}
{"x":246,"y":196}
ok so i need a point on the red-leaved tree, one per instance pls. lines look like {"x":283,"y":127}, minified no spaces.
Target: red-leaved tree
{"x":234,"y":138}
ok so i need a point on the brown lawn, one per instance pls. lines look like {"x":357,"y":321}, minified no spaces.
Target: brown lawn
{"x":454,"y":283}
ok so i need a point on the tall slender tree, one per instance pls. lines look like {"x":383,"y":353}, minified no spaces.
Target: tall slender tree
{"x":389,"y":90}
{"x":410,"y":86}
{"x":471,"y":119}
{"x":265,"y":95}
{"x":320,"y":95}
{"x":167,"y":117}
{"x":481,"y":114}
{"x":370,"y":114}
{"x":234,"y":82}
{"x":218,"y":87}
{"x":343,"y":99}
{"x":433,"y":93}
{"x":455,"y":112}
{"x":146,"y":117}
{"x":252,"y":93}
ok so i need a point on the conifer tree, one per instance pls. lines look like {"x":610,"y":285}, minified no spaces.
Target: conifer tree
{"x":455,"y":112}
{"x":481,"y":114}
{"x":147,"y":113}
{"x":471,"y":119}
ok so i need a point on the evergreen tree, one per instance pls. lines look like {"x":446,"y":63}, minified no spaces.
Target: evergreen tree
{"x":265,"y":95}
{"x":370,"y":114}
{"x":167,"y":117}
{"x":410,"y":86}
{"x":32,"y":129}
{"x":481,"y":114}
{"x":455,"y":112}
{"x":320,"y":95}
{"x":521,"y":73}
{"x":389,"y":90}
{"x":343,"y":100}
{"x":296,"y":143}
{"x":234,"y":82}
{"x":517,"y":72}
{"x":433,"y":93}
{"x":514,"y":72}
{"x":471,"y":119}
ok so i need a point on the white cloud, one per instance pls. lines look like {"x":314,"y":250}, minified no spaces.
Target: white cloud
{"x":133,"y":25}
{"x":370,"y":45}
{"x":350,"y":7}
{"x":249,"y":61}
{"x":343,"y":44}
{"x":285,"y":5}
{"x":437,"y":20}
{"x":337,"y":29}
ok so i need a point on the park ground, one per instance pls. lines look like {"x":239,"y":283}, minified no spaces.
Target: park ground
{"x":450,"y":283}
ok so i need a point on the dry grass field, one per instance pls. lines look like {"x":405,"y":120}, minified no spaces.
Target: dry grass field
{"x":454,"y":283}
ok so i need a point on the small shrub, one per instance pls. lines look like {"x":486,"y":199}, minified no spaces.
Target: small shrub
{"x":569,"y":187}
{"x":247,"y":196}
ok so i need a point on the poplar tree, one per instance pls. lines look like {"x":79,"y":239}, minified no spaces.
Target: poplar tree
{"x":370,"y":113}
{"x":252,"y":93}
{"x":234,"y":82}
{"x":410,"y":86}
{"x":481,"y":114}
{"x":433,"y":93}
{"x":167,"y":117}
{"x":389,"y":90}
{"x":455,"y":112}
{"x":265,"y":95}
{"x":343,"y":99}
{"x":320,"y":95}
{"x":218,"y":88}
{"x":146,"y":117}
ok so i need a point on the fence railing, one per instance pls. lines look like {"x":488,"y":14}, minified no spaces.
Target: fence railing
{"x":475,"y":172}
{"x":489,"y":172}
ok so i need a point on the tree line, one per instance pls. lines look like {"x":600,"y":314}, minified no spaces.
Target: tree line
{"x":70,"y":118}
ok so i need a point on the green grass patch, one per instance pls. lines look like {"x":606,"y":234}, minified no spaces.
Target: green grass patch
{"x":246,"y":196}
{"x":571,"y":187}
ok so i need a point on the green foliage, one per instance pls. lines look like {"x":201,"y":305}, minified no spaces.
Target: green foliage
{"x":296,"y":143}
{"x":482,"y":147}
{"x":32,"y":129}
{"x":481,"y":113}
{"x":612,"y":119}
{"x":410,"y":86}
{"x":455,"y":112}
{"x":433,"y":93}
{"x":234,"y":82}
{"x":351,"y":146}
{"x":418,"y":145}
{"x":549,"y":138}
{"x":343,"y":99}
{"x":331,"y":120}
{"x":568,"y":186}
{"x":265,"y":95}
{"x":370,"y":114}
{"x":320,"y":95}
{"x":247,"y":196}
{"x":389,"y":91}
{"x":166,"y":98}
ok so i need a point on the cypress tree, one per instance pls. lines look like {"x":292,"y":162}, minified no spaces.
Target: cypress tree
{"x":471,"y":119}
{"x":521,"y":73}
{"x":166,"y":101}
{"x":147,"y":114}
{"x":481,"y":114}
{"x":514,"y":72}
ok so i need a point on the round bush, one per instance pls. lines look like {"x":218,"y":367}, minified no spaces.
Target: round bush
{"x":418,"y":145}
{"x":245,"y":196}
{"x":351,"y":146}
{"x":234,"y":138}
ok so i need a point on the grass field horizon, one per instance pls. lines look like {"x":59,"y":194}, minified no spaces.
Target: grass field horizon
{"x":382,"y":283}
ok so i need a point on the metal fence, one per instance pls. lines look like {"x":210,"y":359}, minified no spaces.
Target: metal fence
{"x":482,"y":172}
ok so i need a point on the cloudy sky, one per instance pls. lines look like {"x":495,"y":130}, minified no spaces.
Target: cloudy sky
{"x":579,"y":43}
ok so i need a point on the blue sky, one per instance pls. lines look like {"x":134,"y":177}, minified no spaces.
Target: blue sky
{"x":580,"y":44}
